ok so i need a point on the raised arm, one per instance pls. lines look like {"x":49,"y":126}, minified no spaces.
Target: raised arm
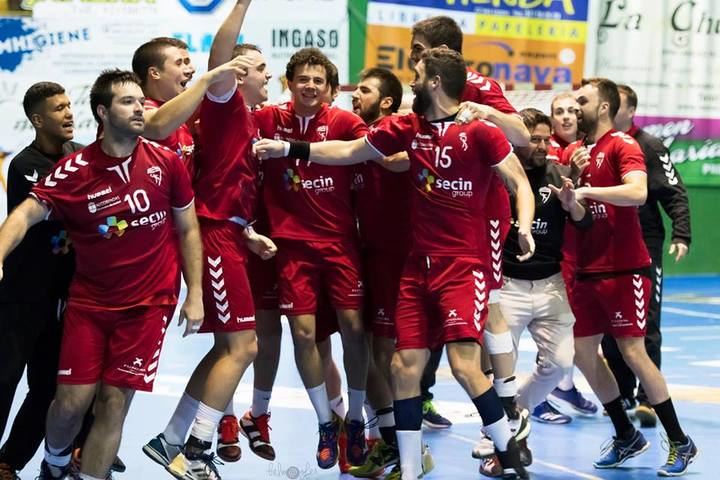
{"x":13,"y":230}
{"x":632,"y":192}
{"x":333,"y":152}
{"x":512,"y":173}
{"x":188,"y":231}
{"x":510,"y":123}
{"x":225,"y":40}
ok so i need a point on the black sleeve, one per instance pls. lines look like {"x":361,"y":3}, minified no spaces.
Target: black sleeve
{"x":19,"y":182}
{"x":670,"y":190}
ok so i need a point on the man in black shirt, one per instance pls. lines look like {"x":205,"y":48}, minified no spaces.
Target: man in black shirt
{"x":36,"y":279}
{"x":666,"y":189}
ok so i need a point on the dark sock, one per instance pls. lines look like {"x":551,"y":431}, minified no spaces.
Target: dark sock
{"x":666,"y":413}
{"x":388,"y":433}
{"x":510,"y":406}
{"x":408,"y":413}
{"x":194,"y":448}
{"x":489,"y":407}
{"x":624,"y":429}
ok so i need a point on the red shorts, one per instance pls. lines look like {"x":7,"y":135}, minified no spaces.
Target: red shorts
{"x":307,"y":268}
{"x":382,"y":282}
{"x":441,"y":299}
{"x":119,"y":347}
{"x":227,"y":298}
{"x":263,"y":282}
{"x":497,"y":230}
{"x":617,"y":305}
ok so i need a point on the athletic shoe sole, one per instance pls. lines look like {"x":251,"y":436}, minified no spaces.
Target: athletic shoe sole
{"x":561,"y":405}
{"x":635,"y":454}
{"x":155,"y":456}
{"x":662,"y":473}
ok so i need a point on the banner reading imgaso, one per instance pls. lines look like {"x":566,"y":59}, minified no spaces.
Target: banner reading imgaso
{"x":666,"y":50}
{"x":99,"y":34}
{"x":540,"y":42}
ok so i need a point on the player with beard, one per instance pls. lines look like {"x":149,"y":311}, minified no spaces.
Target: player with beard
{"x":613,"y":286}
{"x":489,"y":104}
{"x":124,"y":290}
{"x":443,"y":290}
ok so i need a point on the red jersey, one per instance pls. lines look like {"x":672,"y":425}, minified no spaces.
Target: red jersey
{"x":450,"y":168}
{"x":227,"y":171}
{"x":118,"y":213}
{"x":180,"y":141}
{"x":382,"y":205}
{"x":614,"y":243}
{"x":487,"y":91}
{"x":555,"y":150}
{"x":304,"y":200}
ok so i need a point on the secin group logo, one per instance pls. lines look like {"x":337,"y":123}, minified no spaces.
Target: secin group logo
{"x":200,"y":6}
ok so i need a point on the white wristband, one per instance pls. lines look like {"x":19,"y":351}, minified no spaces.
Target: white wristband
{"x":286,"y":148}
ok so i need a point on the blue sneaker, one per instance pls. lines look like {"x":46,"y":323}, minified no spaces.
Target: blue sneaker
{"x":572,"y":399}
{"x":327,"y":451}
{"x":680,"y":456}
{"x":615,"y":451}
{"x":546,"y":413}
{"x":160,"y":451}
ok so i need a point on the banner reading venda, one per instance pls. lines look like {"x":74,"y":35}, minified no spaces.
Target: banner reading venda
{"x":539,"y":42}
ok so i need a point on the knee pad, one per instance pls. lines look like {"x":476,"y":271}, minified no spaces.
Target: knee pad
{"x":498,"y":343}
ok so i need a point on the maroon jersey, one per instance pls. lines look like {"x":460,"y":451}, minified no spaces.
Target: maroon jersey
{"x":180,"y":141}
{"x":118,"y":212}
{"x":450,"y":168}
{"x":614,"y":243}
{"x":487,"y":91}
{"x":226,"y":179}
{"x":305,"y":200}
{"x":382,"y":205}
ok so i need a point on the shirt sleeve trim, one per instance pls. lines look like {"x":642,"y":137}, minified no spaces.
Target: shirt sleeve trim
{"x":185,"y":207}
{"x":505,"y":158}
{"x":634,"y":171}
{"x":224,"y":98}
{"x":49,"y":208}
{"x":367,"y":140}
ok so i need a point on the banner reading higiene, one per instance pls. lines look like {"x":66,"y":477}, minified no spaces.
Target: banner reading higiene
{"x":517,"y":42}
{"x":668,"y":55}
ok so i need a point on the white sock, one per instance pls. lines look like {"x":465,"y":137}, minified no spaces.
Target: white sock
{"x":260,"y":402}
{"x":506,"y":387}
{"x":410,"y":447}
{"x":356,"y":400}
{"x":387,"y":419}
{"x":337,"y":405}
{"x":206,"y":422}
{"x":54,"y":456}
{"x":230,"y":409}
{"x":373,"y":422}
{"x":500,"y":433}
{"x":566,"y":382}
{"x":182,"y":419}
{"x":319,"y":399}
{"x":85,"y":476}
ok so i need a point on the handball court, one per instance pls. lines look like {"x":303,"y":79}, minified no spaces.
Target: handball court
{"x":691,"y":364}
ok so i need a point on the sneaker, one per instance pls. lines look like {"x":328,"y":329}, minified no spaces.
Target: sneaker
{"x":525,"y":453}
{"x":680,"y":456}
{"x":432,"y":419}
{"x":510,"y":462}
{"x":492,"y":466}
{"x":356,"y":446}
{"x":7,"y":472}
{"x":257,"y":431}
{"x":546,"y":413}
{"x":646,"y":415}
{"x":160,"y":451}
{"x":427,"y":466}
{"x":228,"y":442}
{"x":380,"y":457}
{"x":572,"y":399}
{"x":327,"y":451}
{"x":117,"y":466}
{"x":615,"y":452}
{"x":201,"y":468}
{"x":519,"y":427}
{"x":52,"y":472}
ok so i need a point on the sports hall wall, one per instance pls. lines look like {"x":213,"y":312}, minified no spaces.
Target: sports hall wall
{"x":665,"y":49}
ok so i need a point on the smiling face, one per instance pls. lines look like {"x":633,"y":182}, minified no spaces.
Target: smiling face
{"x":565,"y":118}
{"x":174,"y":74}
{"x":254,"y":84}
{"x":308,"y":86}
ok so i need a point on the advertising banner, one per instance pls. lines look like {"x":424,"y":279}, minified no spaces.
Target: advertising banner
{"x":517,"y":42}
{"x":668,"y":55}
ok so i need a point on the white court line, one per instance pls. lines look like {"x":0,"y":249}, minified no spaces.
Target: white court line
{"x":554,"y":466}
{"x":691,"y":313}
{"x":691,"y":328}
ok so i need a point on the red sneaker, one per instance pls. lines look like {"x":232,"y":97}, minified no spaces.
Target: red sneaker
{"x":257,"y":431}
{"x":228,"y":443}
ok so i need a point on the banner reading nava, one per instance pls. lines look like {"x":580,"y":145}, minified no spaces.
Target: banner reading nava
{"x":538,"y":42}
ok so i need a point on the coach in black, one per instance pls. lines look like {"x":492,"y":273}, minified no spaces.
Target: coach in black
{"x":666,"y":190}
{"x":36,"y":280}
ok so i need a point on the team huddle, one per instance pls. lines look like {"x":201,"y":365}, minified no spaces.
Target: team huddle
{"x":457,"y":225}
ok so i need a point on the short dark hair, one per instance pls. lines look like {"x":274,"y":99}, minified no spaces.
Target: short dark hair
{"x":38,"y":93}
{"x":334,"y":79}
{"x":150,"y":54}
{"x":449,"y":66}
{"x":607,"y":91}
{"x":390,"y":85}
{"x":629,"y":93}
{"x":440,"y":30}
{"x":242,"y":49}
{"x":101,"y":91}
{"x":532,"y":117}
{"x":309,"y":56}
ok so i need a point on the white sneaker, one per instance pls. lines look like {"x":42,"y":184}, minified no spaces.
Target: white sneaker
{"x":202,"y":468}
{"x":520,"y":428}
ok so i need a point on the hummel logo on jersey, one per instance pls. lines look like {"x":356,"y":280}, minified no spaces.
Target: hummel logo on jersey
{"x":60,"y":243}
{"x":452,"y":313}
{"x":111,"y":226}
{"x":138,"y":362}
{"x":32,"y":178}
{"x":65,"y":373}
{"x":599,"y":159}
{"x":618,"y":315}
{"x":105,"y":191}
{"x":156,"y":174}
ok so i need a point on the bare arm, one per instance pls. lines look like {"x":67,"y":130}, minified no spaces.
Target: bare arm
{"x":510,"y":124}
{"x":13,"y":230}
{"x":514,"y":176}
{"x":225,"y":39}
{"x":397,"y":163}
{"x":632,"y":193}
{"x":188,"y":231}
{"x":332,"y":152}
